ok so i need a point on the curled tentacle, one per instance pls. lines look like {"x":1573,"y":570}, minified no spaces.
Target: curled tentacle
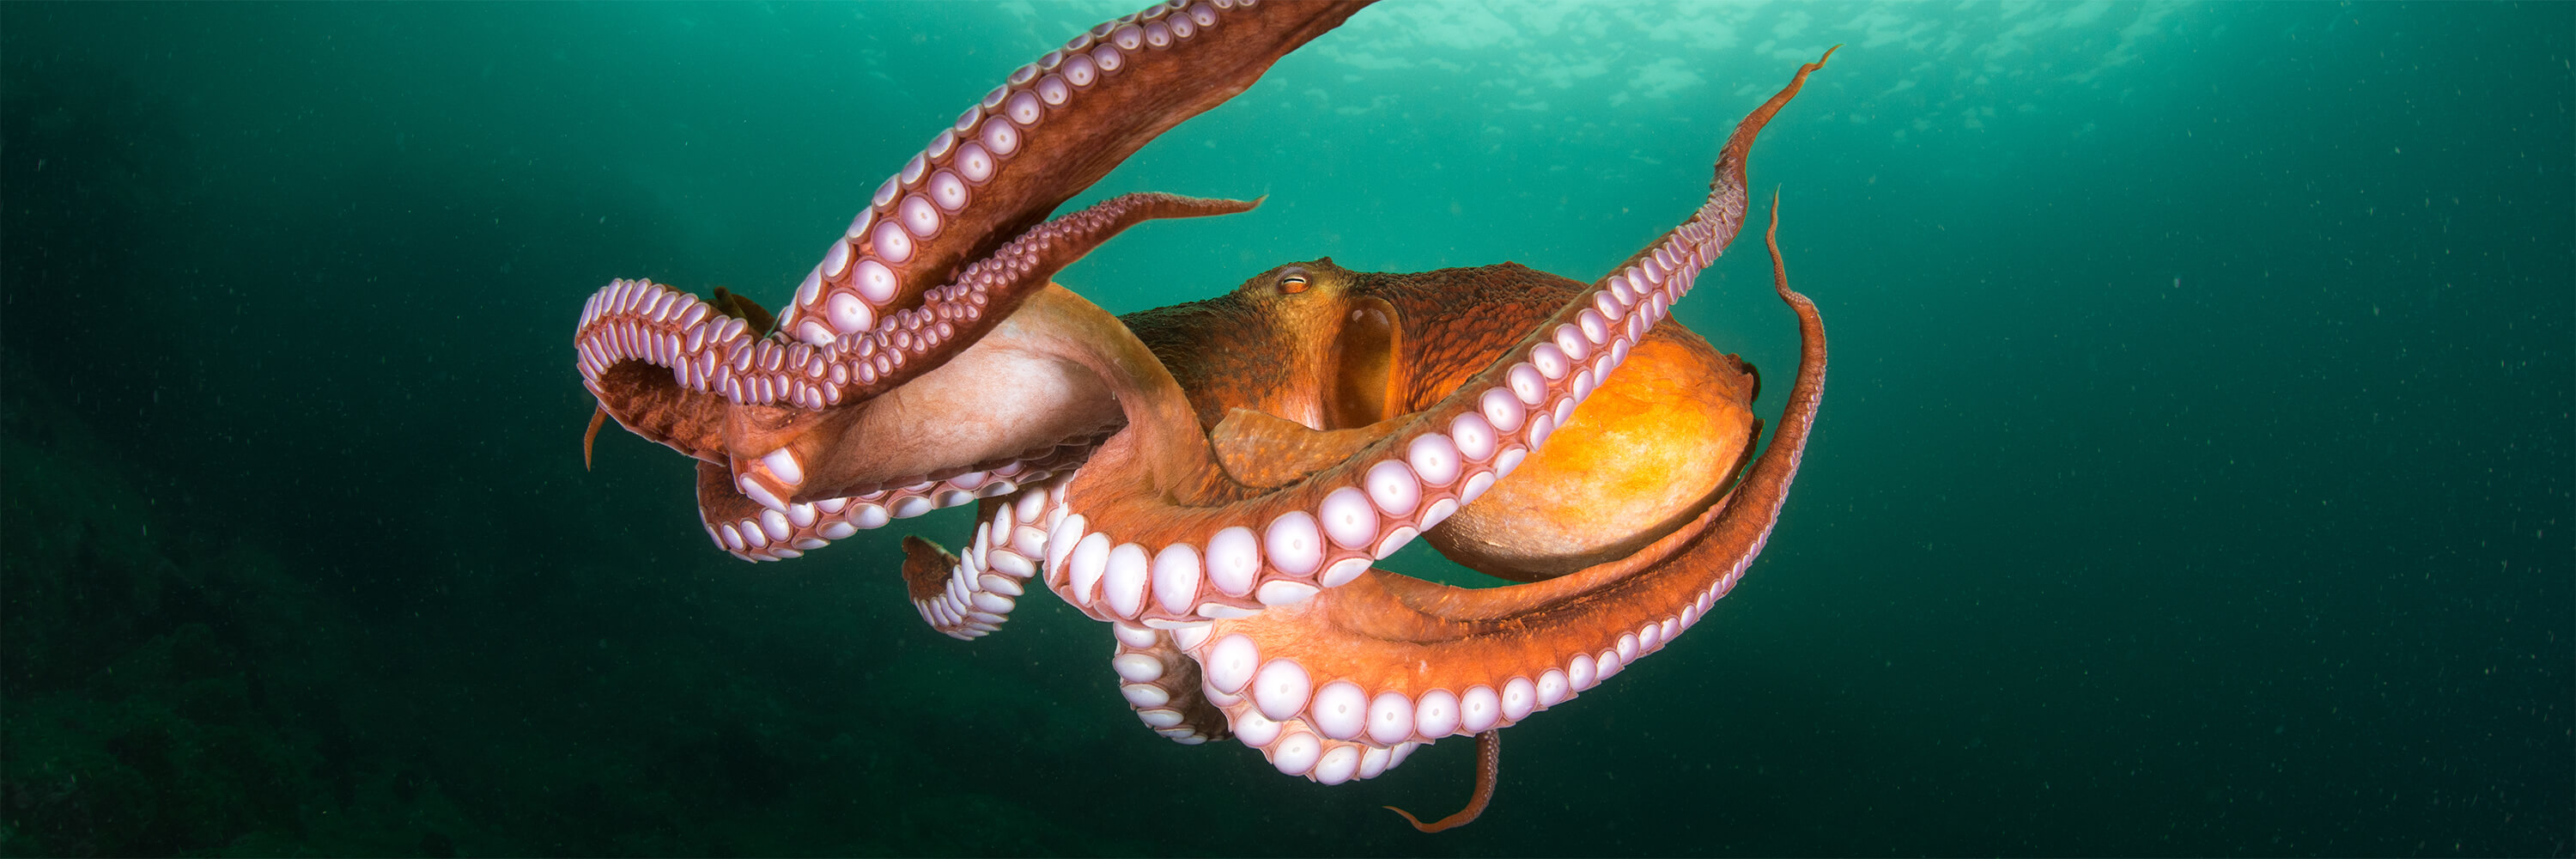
{"x":875,"y":313}
{"x":628,"y":346}
{"x":1388,"y":659}
{"x":1159,"y":517}
{"x":947,"y":247}
{"x":675,"y":369}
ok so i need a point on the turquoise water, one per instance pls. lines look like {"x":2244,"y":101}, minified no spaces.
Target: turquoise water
{"x":2194,"y":479}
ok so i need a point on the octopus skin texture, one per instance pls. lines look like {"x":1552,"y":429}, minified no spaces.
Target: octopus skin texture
{"x":1215,"y":480}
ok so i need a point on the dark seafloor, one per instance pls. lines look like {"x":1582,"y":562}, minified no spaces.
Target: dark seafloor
{"x":2194,"y":477}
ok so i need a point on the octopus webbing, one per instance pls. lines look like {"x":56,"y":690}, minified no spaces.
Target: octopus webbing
{"x":1216,"y":480}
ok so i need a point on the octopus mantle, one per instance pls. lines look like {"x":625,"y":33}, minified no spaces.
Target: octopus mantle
{"x":1214,"y":480}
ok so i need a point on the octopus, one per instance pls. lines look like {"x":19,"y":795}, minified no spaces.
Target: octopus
{"x":1216,"y":480}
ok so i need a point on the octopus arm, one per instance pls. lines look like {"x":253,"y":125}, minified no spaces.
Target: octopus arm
{"x":1156,"y":489}
{"x":1053,"y":128}
{"x":1388,"y":660}
{"x":950,"y":245}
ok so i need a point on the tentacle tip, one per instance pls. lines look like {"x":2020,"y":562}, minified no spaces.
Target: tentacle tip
{"x":926,"y":567}
{"x":1229,"y":206}
{"x":1829,"y":54}
{"x":915,"y":546}
{"x":590,"y":437}
{"x":1409,"y":818}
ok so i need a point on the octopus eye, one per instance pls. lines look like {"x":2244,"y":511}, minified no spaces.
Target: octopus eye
{"x":1292,"y":281}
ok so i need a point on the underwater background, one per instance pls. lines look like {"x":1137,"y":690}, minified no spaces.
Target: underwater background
{"x":2194,"y":477}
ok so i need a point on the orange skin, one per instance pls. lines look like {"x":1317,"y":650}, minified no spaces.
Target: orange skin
{"x":1172,"y":425}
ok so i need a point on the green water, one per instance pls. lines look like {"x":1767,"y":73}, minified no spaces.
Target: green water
{"x":2194,"y":477}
